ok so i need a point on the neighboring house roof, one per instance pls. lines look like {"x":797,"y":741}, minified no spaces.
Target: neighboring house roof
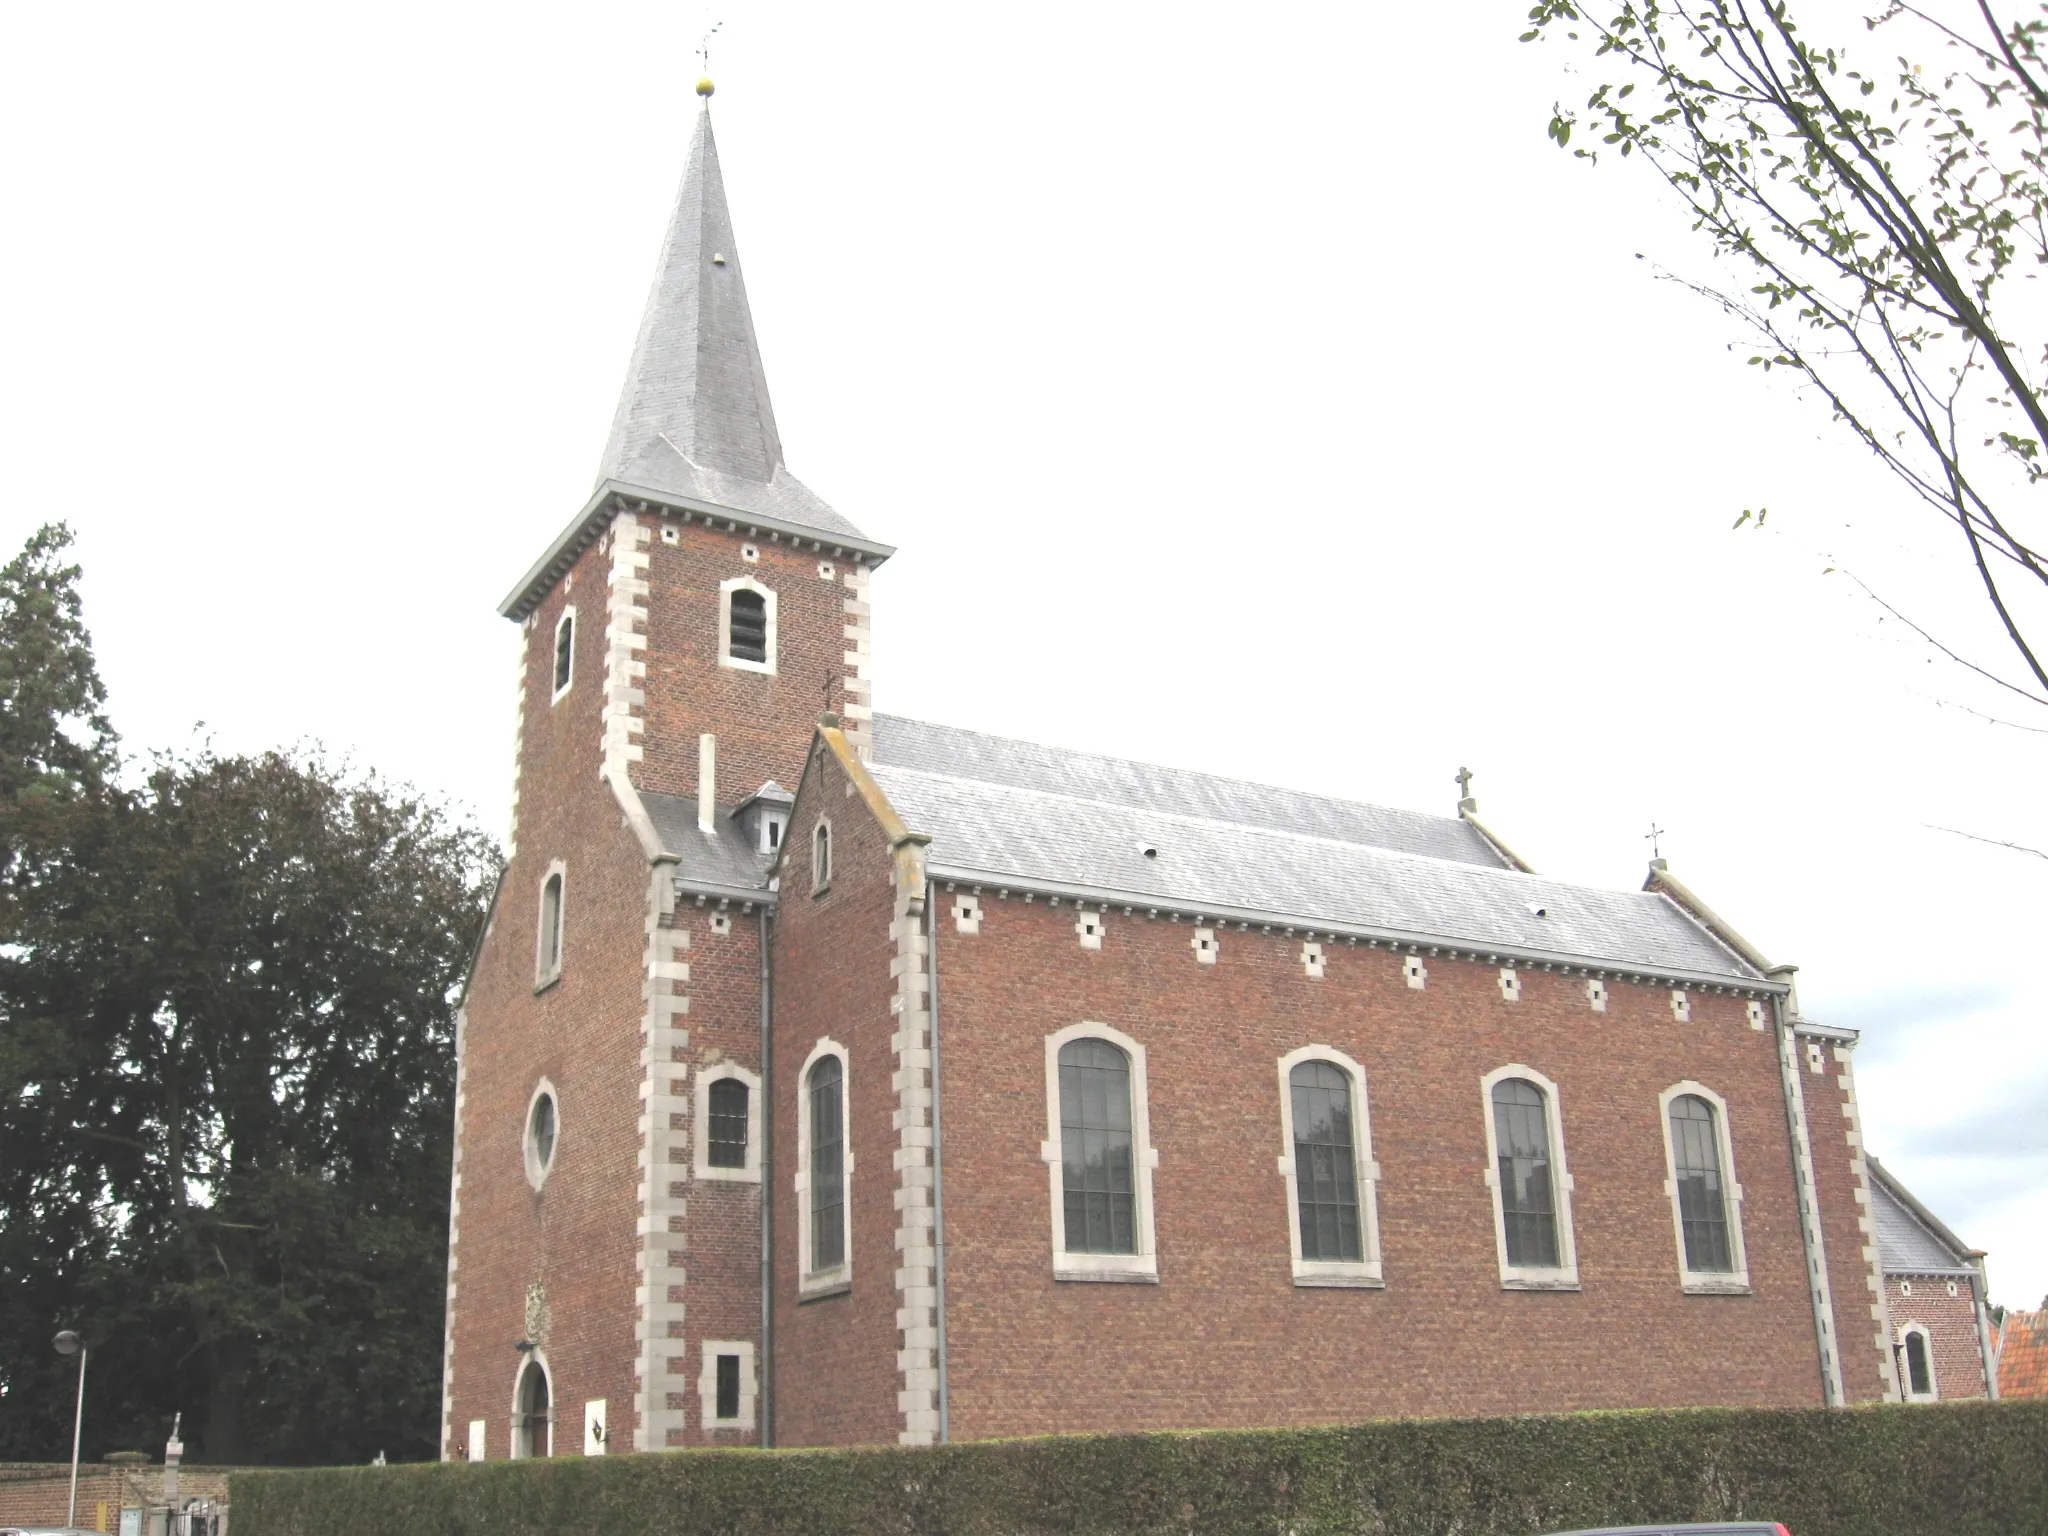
{"x":1912,"y":1240}
{"x":2023,"y":1355}
{"x":1072,"y":823}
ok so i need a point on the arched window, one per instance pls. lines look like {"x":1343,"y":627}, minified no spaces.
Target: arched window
{"x":821,"y":856}
{"x":547,"y":957}
{"x":729,"y":1116}
{"x":1919,"y":1364}
{"x":1325,"y":1164}
{"x":1521,"y":1129}
{"x":565,"y":651}
{"x":533,"y":1419}
{"x":1531,"y":1190}
{"x":826,"y":1094}
{"x":746,"y":625}
{"x":1696,"y":1169}
{"x":1098,"y":1182}
{"x":749,"y":632}
{"x":1706,"y":1202}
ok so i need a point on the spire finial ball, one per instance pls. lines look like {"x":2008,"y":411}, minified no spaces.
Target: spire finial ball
{"x":704,"y":86}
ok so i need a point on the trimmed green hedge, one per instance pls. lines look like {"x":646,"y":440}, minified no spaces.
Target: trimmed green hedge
{"x":1964,"y":1469}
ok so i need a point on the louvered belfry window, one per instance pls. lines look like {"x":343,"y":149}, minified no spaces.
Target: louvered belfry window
{"x":1702,"y":1193}
{"x":1100,"y":1207}
{"x":1325,"y":1163}
{"x":828,"y":1165}
{"x":748,"y":630}
{"x":728,"y":1124}
{"x":1528,"y":1204}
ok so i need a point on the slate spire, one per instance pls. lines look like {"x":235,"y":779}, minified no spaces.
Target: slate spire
{"x":694,"y":420}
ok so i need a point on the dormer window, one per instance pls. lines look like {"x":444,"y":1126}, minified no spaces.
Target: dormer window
{"x":565,"y":652}
{"x":771,"y":832}
{"x":764,"y":817}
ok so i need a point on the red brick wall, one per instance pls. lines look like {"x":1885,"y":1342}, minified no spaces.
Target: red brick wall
{"x":576,"y":1236}
{"x":763,"y":723}
{"x":835,"y":1357}
{"x":1951,"y":1324}
{"x":1226,"y":1338}
{"x":1843,"y":1191}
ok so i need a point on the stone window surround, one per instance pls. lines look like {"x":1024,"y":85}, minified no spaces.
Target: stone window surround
{"x":707,"y":1383}
{"x":562,"y":686}
{"x":706,"y":1076}
{"x":1706,"y":1282}
{"x":1367,"y":1272}
{"x":1523,"y":1277}
{"x":821,"y":856}
{"x":537,"y":1357}
{"x":536,"y":1171}
{"x":1906,"y":1392}
{"x":839,"y":1277}
{"x":726,"y":588}
{"x":546,"y":973}
{"x":1142,"y":1266}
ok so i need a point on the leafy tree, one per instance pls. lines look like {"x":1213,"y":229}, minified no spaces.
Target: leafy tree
{"x":226,"y":1025}
{"x":1878,"y":217}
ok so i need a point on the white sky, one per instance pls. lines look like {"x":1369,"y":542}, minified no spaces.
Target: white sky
{"x":1248,"y":387}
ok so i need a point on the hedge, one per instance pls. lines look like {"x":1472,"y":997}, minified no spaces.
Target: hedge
{"x":1965,"y":1469}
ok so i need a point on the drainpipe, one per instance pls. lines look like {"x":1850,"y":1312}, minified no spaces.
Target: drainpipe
{"x":1784,"y":1010}
{"x":931,"y":954}
{"x":1980,"y":1290}
{"x":766,"y":1365}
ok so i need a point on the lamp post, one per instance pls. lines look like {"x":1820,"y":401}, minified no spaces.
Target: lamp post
{"x":69,"y":1343}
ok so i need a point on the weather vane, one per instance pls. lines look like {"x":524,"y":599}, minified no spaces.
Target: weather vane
{"x":704,"y":86}
{"x":1651,"y":837}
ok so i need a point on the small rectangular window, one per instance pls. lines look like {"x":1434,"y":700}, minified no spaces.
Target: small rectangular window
{"x":728,"y":1124}
{"x":728,"y":1404}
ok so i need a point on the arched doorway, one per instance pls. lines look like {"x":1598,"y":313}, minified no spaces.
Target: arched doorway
{"x":533,"y":1419}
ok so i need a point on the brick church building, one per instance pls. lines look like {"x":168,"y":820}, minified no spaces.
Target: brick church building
{"x":842,"y":1078}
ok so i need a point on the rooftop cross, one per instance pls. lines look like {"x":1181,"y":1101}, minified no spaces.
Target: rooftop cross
{"x":1651,"y":838}
{"x":1466,"y":804}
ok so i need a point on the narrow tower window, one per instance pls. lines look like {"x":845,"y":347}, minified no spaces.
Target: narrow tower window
{"x":1702,"y":1199}
{"x":726,"y":1404}
{"x":828,"y":1165}
{"x":1528,"y":1198}
{"x":749,"y":630}
{"x":565,"y":651}
{"x":548,"y":945}
{"x":728,"y":1124}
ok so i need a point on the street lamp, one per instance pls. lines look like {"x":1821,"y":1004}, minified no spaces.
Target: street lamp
{"x":69,"y":1343}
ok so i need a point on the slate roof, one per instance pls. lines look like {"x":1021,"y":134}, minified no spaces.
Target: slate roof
{"x":1911,"y":1240}
{"x":727,"y":863}
{"x":694,"y":419}
{"x":1041,"y":818}
{"x":2023,"y":1355}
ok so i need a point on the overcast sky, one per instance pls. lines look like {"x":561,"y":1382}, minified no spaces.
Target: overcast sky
{"x":1250,"y":388}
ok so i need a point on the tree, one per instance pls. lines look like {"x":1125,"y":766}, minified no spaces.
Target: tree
{"x":1880,"y":218}
{"x":226,"y":1032}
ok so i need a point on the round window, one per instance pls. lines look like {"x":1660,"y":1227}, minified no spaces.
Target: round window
{"x":541,"y":1127}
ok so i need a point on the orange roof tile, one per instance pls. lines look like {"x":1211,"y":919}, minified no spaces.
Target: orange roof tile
{"x":2023,"y":1355}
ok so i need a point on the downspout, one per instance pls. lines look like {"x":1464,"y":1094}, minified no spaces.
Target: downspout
{"x":766,"y":1367}
{"x":1783,"y":1010}
{"x":931,"y":954}
{"x":1980,"y":1288}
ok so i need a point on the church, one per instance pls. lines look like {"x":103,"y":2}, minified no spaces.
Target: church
{"x":838,"y":1078}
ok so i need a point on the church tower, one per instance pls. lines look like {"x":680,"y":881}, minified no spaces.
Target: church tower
{"x":678,"y":642}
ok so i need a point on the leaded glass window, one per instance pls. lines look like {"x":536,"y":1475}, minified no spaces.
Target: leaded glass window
{"x":728,"y":1124}
{"x":1096,"y":1148}
{"x":828,"y":1165}
{"x":1528,"y":1205}
{"x":1325,"y":1163}
{"x":1702,"y":1197}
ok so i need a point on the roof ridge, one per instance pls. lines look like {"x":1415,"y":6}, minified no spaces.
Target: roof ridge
{"x":1262,"y":830}
{"x":1199,"y":773}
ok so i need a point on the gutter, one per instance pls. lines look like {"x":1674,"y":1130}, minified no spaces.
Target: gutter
{"x":1392,"y":938}
{"x":765,"y":1435}
{"x":1783,"y":1012}
{"x":931,"y":917}
{"x":1980,"y":1289}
